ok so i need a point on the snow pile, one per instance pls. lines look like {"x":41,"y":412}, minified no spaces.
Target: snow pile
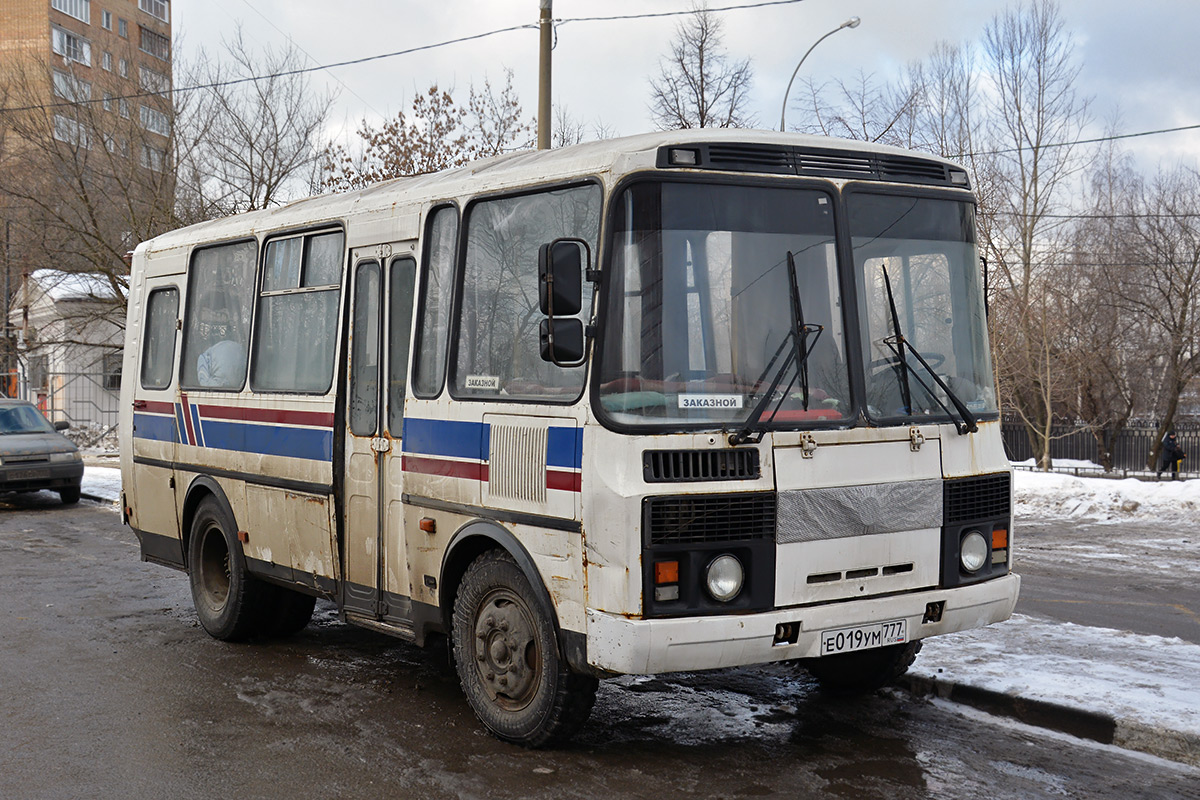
{"x":1135,"y":679}
{"x":1052,"y":495}
{"x":102,"y":482}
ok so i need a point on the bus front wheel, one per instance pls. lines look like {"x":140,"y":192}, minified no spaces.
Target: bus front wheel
{"x":228,"y":599}
{"x":507,"y":658}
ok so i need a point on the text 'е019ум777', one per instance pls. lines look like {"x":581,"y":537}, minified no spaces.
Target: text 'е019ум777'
{"x":671,"y":402}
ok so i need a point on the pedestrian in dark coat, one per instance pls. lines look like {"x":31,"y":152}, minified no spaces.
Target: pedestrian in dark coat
{"x":1172,"y":454}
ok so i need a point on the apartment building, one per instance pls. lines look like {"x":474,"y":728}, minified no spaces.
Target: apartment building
{"x":84,"y":172}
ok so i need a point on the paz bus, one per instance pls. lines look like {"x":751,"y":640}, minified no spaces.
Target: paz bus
{"x":677,"y":401}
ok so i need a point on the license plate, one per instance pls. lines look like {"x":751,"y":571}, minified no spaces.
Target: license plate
{"x":864,"y":637}
{"x":28,"y":474}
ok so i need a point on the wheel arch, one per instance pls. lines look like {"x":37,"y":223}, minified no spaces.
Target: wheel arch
{"x":470,"y":542}
{"x":201,"y":487}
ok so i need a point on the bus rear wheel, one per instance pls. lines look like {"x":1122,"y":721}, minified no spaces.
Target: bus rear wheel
{"x":228,"y":599}
{"x":507,"y":658}
{"x":862,"y":671}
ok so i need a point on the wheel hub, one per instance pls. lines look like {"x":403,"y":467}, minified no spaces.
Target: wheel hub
{"x":506,"y":650}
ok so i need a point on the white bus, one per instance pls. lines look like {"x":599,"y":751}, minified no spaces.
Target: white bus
{"x":678,"y":401}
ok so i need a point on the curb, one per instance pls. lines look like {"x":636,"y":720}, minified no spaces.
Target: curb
{"x":1172,"y":745}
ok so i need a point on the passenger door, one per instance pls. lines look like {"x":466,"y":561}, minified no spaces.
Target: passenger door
{"x":375,"y":583}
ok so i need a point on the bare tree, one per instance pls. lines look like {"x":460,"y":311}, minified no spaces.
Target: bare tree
{"x":698,"y":86}
{"x":1035,"y":117}
{"x":86,"y":174}
{"x":866,"y":110}
{"x":1161,"y":288}
{"x":436,"y":134}
{"x":253,"y":136}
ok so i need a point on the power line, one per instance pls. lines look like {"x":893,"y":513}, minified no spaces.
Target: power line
{"x":718,"y":10}
{"x":282,"y":74}
{"x":1097,"y":140}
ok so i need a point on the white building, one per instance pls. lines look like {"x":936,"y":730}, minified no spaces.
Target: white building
{"x":70,"y":331}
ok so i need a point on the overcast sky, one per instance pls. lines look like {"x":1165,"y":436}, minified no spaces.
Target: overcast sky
{"x":1138,"y":58}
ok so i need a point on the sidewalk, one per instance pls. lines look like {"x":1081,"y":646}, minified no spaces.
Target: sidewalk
{"x":1137,"y":692}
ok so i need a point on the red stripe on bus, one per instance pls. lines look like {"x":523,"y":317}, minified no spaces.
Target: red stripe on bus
{"x":564,"y":481}
{"x":317,"y":419}
{"x":155,"y":407}
{"x":451,"y":469}
{"x":187,"y":420}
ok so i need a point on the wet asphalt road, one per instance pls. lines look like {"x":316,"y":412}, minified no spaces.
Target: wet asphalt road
{"x":1136,"y":576}
{"x":109,"y":688}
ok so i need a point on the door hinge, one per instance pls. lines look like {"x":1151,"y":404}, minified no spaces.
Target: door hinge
{"x":808,"y":445}
{"x":915,"y":439}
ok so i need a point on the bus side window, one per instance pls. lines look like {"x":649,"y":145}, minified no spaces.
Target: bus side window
{"x":216,"y":336}
{"x":498,"y":348}
{"x":296,"y":332}
{"x":158,"y":347}
{"x":429,"y":368}
{"x":403,"y":284}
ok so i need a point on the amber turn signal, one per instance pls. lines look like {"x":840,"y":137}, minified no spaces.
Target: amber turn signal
{"x":999,"y":538}
{"x":666,"y":572}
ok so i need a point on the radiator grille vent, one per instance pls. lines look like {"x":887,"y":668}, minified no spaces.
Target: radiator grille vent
{"x":710,"y":518}
{"x":818,"y":162}
{"x":982,"y":497}
{"x":517,"y":463}
{"x":678,"y":466}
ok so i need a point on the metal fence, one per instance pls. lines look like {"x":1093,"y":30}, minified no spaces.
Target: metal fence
{"x":89,"y":401}
{"x":1130,"y":448}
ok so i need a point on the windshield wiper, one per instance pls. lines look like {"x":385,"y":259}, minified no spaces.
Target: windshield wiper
{"x":898,"y":344}
{"x":798,"y":353}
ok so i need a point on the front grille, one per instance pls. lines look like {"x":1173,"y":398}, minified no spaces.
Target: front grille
{"x":678,"y":466}
{"x":37,"y":458}
{"x":980,"y":497}
{"x":709,"y":518}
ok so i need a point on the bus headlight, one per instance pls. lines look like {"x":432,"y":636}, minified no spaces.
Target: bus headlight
{"x":974,"y":551}
{"x":723,"y":578}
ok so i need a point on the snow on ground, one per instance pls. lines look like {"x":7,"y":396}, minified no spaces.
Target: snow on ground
{"x":102,"y":482}
{"x":1050,"y":495}
{"x":1144,"y":680}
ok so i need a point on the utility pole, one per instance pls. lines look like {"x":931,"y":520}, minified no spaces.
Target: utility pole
{"x":546,"y":29}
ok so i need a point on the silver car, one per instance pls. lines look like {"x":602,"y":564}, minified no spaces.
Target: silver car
{"x":34,"y":455}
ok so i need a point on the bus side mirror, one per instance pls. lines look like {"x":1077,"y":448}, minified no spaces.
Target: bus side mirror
{"x":561,"y":264}
{"x":562,"y":341}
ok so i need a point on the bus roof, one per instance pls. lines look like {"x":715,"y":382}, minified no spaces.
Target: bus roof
{"x":523,"y":168}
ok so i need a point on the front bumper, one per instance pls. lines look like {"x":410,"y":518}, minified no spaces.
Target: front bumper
{"x":28,"y":478}
{"x":642,"y":647}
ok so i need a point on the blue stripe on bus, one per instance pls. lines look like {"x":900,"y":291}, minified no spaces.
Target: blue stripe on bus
{"x":196,"y":424}
{"x":564,"y":448}
{"x":157,"y":428}
{"x":450,"y":439}
{"x":181,"y":435}
{"x":314,"y":444}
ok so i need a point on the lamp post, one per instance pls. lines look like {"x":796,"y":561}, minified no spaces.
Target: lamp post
{"x":850,"y":23}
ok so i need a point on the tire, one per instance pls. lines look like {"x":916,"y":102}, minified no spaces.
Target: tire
{"x":228,"y":600}
{"x":69,"y":495}
{"x":287,"y":612}
{"x":863,"y":671}
{"x":506,"y":655}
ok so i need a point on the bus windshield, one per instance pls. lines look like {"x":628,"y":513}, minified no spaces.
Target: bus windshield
{"x":923,"y":250}
{"x":701,"y":311}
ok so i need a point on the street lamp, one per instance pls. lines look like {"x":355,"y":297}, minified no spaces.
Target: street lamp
{"x":850,"y":23}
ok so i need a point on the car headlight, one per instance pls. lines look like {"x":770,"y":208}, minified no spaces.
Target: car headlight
{"x":73,"y":455}
{"x":974,"y":551}
{"x":723,"y":578}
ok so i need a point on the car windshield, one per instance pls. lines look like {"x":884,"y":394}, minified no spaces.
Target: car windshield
{"x":923,"y":251}
{"x":23,"y":419}
{"x":701,"y":312}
